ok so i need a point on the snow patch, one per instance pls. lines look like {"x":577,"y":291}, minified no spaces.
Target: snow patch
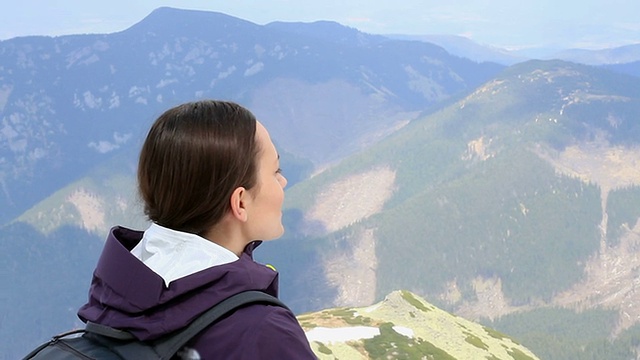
{"x":135,"y":91}
{"x":371,"y":308}
{"x":344,"y":334}
{"x":90,"y":60}
{"x":165,"y":82}
{"x":92,"y":101}
{"x":256,"y":68}
{"x":114,"y":102}
{"x":403,"y":331}
{"x":5,"y":91}
{"x":104,"y":147}
{"x":230,"y":70}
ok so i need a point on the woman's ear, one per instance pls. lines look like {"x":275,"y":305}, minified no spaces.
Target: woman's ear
{"x":237,"y":200}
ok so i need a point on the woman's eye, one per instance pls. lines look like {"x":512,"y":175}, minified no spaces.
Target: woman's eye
{"x":279,"y":171}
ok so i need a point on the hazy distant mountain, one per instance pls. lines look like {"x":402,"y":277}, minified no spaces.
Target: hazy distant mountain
{"x":466,"y":48}
{"x":328,"y":31}
{"x":617,"y":55}
{"x":324,"y":90}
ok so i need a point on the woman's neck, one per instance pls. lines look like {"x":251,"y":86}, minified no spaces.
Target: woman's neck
{"x":229,"y":235}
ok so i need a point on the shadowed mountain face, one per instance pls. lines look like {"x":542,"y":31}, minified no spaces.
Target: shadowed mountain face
{"x":68,"y":103}
{"x":632,"y":68}
{"x":44,"y":280}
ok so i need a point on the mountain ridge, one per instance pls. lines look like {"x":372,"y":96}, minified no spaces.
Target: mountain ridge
{"x":93,"y":95}
{"x":404,"y":326}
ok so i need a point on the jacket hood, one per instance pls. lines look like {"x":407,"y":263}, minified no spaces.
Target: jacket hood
{"x":127,"y":295}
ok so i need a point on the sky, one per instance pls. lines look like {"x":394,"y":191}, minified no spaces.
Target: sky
{"x":510,"y":24}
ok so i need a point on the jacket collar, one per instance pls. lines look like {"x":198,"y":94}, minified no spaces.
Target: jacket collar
{"x":175,"y":254}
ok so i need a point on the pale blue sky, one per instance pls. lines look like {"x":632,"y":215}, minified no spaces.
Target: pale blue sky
{"x":504,"y":23}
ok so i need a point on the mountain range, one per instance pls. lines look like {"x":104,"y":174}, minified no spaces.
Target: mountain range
{"x":73,"y":101}
{"x":505,"y":195}
{"x":467,"y":48}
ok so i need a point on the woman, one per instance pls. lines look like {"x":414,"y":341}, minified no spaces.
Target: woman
{"x":211,"y":184}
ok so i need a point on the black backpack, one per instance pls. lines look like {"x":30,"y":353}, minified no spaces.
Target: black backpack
{"x":103,"y":342}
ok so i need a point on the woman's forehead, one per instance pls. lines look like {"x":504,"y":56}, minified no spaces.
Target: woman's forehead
{"x":263,"y":138}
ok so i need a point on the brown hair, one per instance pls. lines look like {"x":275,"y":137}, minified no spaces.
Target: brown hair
{"x":194,"y":157}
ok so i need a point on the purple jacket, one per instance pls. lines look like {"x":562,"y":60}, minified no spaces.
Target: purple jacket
{"x":126,"y":294}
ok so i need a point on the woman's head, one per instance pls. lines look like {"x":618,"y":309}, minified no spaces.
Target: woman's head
{"x":194,"y":158}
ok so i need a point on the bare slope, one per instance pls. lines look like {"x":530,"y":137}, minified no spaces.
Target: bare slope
{"x":347,"y":201}
{"x":612,"y":276}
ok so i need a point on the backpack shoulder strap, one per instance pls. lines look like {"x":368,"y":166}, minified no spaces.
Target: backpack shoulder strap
{"x":127,"y":347}
{"x":166,"y":347}
{"x":108,"y":331}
